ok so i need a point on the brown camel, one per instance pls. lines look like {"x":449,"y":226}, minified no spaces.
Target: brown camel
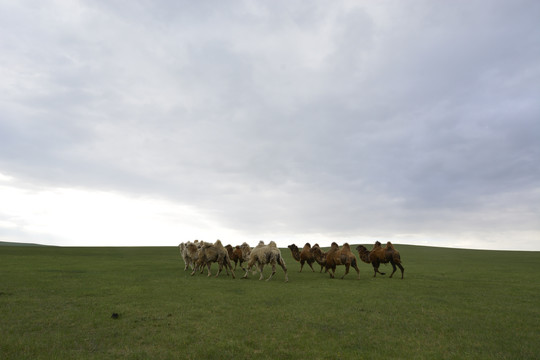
{"x":379,"y":255}
{"x":304,"y":256}
{"x":344,"y":256}
{"x":236,"y":255}
{"x":319,"y":255}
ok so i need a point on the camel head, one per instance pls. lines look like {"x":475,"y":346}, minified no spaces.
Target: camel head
{"x":293,"y":247}
{"x":229,"y":247}
{"x":361,"y":248}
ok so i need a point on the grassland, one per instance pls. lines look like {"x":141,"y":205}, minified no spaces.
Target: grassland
{"x":56,"y":303}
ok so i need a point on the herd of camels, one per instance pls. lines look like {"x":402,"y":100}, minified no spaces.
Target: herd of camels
{"x":200,"y":254}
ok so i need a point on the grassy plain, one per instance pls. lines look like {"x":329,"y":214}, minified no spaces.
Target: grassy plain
{"x":56,"y":303}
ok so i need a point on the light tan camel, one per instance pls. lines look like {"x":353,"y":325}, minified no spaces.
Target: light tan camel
{"x":266,"y":254}
{"x":189,"y":253}
{"x":246,"y":251}
{"x":210,"y":253}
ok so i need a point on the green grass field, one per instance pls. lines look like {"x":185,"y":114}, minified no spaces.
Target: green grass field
{"x":56,"y":303}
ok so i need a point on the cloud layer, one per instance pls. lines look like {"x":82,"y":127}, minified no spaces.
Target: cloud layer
{"x":342,"y":120}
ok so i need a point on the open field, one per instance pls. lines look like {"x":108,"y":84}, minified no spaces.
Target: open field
{"x":56,"y":303}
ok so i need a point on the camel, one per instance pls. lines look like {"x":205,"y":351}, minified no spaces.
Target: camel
{"x":210,"y":253}
{"x":266,"y":254}
{"x":319,"y":256}
{"x":344,"y":256}
{"x":235,"y":254}
{"x":246,"y":251}
{"x":305,"y":256}
{"x":379,"y":255}
{"x":182,"y":248}
{"x":189,"y":253}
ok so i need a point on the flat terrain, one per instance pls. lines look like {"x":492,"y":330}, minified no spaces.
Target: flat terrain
{"x":57,"y":303}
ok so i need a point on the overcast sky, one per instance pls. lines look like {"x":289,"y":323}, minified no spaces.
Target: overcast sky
{"x":156,"y":122}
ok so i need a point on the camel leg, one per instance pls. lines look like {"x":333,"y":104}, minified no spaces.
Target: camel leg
{"x":220,"y":267}
{"x":301,"y":265}
{"x":208,"y":266}
{"x":232,"y":271}
{"x":401,"y":268}
{"x":376,"y":269}
{"x":346,"y":270}
{"x":261,"y":268}
{"x":311,"y":266}
{"x":196,"y":268}
{"x":357,"y":270}
{"x":284,"y":267}
{"x":393,"y":269}
{"x":332,"y":271}
{"x":273,"y":272}
{"x":246,"y":274}
{"x":227,"y":265}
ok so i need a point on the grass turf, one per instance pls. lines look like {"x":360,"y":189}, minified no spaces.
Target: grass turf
{"x":452,"y":304}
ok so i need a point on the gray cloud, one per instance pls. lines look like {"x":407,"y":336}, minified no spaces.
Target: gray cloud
{"x":332,"y":118}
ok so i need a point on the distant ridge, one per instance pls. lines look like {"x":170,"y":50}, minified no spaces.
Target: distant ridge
{"x":4,"y":243}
